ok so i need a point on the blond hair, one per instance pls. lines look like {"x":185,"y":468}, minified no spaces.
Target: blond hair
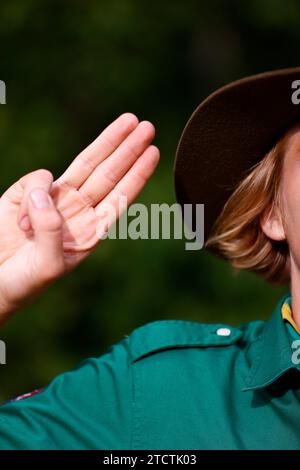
{"x":237,"y":234}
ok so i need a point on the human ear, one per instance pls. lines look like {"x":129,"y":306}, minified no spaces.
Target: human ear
{"x":271,"y":224}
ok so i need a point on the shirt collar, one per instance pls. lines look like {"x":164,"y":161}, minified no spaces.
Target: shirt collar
{"x":286,"y":311}
{"x":273,"y":351}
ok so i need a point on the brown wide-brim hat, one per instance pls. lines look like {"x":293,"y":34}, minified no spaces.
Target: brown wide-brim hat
{"x":228,"y":133}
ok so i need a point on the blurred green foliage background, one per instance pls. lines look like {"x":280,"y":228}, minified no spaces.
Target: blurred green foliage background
{"x":71,"y":67}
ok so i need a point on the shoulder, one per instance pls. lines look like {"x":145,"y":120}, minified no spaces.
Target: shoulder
{"x":164,"y":335}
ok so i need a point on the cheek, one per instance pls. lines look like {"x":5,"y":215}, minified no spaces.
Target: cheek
{"x":291,"y":206}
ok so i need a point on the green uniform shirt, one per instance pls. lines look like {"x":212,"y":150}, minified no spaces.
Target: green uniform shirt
{"x":171,"y":384}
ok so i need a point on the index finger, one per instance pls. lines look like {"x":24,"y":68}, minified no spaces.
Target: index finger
{"x":85,"y":163}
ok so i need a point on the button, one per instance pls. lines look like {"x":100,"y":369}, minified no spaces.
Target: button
{"x":223,"y":331}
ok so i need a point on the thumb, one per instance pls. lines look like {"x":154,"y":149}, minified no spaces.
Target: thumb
{"x":46,"y":223}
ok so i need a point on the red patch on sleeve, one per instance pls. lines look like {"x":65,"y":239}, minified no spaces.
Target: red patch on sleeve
{"x":27,"y":395}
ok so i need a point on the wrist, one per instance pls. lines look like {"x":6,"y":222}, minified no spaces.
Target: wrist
{"x":7,"y":306}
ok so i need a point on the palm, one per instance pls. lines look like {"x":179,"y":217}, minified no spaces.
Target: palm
{"x":79,"y":221}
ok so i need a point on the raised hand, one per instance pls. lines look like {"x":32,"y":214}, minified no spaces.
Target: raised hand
{"x":47,"y":228}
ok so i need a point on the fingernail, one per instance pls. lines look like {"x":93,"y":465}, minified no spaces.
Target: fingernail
{"x":24,"y":223}
{"x":40,"y":199}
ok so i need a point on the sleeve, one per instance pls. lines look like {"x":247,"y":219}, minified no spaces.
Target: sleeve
{"x":86,"y":408}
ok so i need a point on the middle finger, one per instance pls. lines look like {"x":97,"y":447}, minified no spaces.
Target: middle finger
{"x":108,"y":173}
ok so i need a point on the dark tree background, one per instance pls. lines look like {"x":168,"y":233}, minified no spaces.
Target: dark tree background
{"x":71,"y":67}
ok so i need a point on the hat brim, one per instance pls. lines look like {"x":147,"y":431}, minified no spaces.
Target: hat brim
{"x":228,"y":133}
